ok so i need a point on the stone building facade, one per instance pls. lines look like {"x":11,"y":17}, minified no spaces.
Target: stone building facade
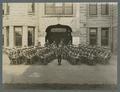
{"x":25,"y":24}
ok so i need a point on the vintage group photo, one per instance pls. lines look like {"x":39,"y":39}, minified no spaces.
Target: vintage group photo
{"x":65,"y":45}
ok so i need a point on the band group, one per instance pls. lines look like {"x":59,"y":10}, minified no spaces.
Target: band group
{"x":75,"y":55}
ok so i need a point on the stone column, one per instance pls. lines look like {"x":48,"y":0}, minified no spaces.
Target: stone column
{"x":77,"y":16}
{"x":110,"y":42}
{"x":82,"y":22}
{"x":5,"y":39}
{"x":36,"y":35}
{"x":99,"y":36}
{"x":11,"y":37}
{"x":25,"y":36}
{"x":87,"y":35}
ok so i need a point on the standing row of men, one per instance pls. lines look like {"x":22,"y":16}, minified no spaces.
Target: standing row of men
{"x":74,"y":54}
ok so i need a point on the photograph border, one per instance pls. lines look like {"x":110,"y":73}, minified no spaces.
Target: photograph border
{"x":38,"y":90}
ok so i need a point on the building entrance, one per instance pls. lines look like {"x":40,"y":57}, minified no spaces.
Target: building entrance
{"x":57,"y":33}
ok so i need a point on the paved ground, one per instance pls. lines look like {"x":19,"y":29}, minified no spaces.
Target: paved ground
{"x":64,"y":74}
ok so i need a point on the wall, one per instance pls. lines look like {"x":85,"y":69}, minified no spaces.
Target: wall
{"x":79,"y":22}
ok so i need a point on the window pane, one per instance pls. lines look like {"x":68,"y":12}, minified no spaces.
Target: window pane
{"x":31,"y":36}
{"x":104,"y":36}
{"x":93,"y":9}
{"x":49,"y":8}
{"x":68,"y":9}
{"x":59,"y":10}
{"x":18,"y":36}
{"x":93,"y":36}
{"x":104,"y":9}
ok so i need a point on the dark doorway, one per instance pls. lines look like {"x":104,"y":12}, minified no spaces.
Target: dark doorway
{"x":57,"y":33}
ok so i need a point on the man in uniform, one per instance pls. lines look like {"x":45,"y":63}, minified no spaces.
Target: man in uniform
{"x":59,"y":53}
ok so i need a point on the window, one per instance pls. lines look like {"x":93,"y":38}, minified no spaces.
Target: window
{"x":104,"y":9}
{"x":31,"y":8}
{"x":104,"y":36}
{"x":92,"y":9}
{"x":93,"y":36}
{"x":31,"y":36}
{"x":58,"y":9}
{"x":18,"y":36}
{"x":7,"y":36}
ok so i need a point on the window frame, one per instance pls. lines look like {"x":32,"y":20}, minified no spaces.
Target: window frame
{"x":21,"y":36}
{"x":105,"y":38}
{"x":96,"y":29}
{"x":33,"y":38}
{"x":108,"y":10}
{"x":95,"y":9}
{"x":54,"y":9}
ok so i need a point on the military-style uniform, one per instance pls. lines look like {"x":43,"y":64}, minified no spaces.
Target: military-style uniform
{"x":13,"y":56}
{"x":59,"y":54}
{"x":74,"y":54}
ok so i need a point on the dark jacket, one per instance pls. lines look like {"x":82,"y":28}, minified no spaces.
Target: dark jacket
{"x":59,"y":51}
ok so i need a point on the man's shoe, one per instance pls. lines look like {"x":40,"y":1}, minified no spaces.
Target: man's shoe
{"x":59,"y":64}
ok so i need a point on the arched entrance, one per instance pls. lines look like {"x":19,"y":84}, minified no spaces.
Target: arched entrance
{"x":56,"y":33}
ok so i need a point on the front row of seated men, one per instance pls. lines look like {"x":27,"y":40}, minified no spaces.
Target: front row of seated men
{"x":74,"y":54}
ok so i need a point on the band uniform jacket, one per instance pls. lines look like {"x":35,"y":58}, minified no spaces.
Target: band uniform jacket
{"x":59,"y":51}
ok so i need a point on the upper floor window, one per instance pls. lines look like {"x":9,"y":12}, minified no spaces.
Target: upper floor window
{"x":92,"y":9}
{"x":6,"y":9}
{"x":31,"y":8}
{"x":59,"y":9}
{"x":104,"y":9}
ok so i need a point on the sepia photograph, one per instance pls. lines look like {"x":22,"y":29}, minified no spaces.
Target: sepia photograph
{"x":59,"y":45}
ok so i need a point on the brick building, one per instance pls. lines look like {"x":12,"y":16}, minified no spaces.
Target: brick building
{"x":25,"y":24}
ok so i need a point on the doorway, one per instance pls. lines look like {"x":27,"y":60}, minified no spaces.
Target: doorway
{"x":57,"y":33}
